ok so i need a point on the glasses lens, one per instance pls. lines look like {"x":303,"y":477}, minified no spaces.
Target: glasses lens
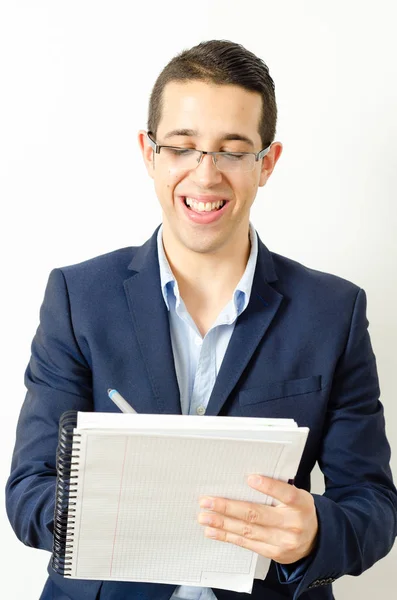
{"x":235,"y":162}
{"x":180,"y":158}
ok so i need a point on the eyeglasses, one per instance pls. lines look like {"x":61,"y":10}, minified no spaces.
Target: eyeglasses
{"x":181,"y":159}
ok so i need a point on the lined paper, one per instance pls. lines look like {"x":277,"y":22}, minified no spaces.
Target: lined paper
{"x":138,"y":499}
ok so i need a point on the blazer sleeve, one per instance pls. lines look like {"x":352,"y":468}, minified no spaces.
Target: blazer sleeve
{"x":57,"y":378}
{"x":357,"y":514}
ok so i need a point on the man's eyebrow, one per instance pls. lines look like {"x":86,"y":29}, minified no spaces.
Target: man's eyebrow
{"x":185,"y":132}
{"x":229,"y":137}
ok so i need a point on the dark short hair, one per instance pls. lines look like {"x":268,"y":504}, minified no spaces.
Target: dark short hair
{"x":223,"y":63}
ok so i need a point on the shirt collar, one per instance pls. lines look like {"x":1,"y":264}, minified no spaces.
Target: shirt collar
{"x":242,"y":292}
{"x":167,"y":279}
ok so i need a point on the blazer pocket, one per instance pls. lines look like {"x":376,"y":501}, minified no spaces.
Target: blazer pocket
{"x":280,"y":389}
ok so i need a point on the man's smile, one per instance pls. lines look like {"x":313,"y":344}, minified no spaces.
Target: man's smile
{"x":204,"y":209}
{"x":202,"y":206}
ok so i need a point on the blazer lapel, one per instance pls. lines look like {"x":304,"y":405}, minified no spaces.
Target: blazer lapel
{"x":150,"y":319}
{"x":151,"y":324}
{"x":249,"y":330}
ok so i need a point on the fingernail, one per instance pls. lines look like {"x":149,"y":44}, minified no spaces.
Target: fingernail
{"x":205,"y":519}
{"x":211,"y":532}
{"x":206,"y":503}
{"x":254,"y":480}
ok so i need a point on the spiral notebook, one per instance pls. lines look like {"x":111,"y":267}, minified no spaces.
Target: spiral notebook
{"x":128,"y":492}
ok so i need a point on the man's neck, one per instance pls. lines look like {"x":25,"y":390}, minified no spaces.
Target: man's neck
{"x":206,"y":281}
{"x":200,"y":270}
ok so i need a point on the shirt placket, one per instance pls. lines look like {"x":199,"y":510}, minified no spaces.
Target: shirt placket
{"x":205,"y":375}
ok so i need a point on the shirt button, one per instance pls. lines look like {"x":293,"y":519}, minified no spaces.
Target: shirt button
{"x":198,"y":341}
{"x":200,"y":410}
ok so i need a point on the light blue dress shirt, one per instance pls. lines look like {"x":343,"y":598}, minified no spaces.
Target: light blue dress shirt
{"x":197,"y":359}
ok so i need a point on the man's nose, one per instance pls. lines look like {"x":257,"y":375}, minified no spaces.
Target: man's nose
{"x":206,"y":172}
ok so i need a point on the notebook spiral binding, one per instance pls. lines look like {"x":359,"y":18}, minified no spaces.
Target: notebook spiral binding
{"x":68,"y":454}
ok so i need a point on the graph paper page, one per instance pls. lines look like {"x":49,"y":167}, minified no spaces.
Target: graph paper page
{"x":138,"y":501}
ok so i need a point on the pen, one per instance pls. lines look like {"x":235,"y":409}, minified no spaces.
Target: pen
{"x":120,"y":402}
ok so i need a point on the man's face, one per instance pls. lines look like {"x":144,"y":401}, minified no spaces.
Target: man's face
{"x":201,"y":116}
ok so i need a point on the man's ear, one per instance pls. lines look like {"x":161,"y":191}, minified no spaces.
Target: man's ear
{"x":147,"y":152}
{"x":269,"y":162}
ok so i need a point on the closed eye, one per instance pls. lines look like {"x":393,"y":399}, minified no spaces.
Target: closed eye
{"x":179,"y":151}
{"x":233,"y":155}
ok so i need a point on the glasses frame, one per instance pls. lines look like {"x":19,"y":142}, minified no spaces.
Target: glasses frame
{"x":258,"y":156}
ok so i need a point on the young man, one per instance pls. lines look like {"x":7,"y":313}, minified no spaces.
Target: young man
{"x":204,"y":319}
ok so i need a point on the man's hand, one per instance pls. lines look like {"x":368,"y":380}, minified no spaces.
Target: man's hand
{"x":283,"y":533}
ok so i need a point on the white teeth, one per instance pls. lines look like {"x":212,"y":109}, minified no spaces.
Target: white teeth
{"x":204,"y":207}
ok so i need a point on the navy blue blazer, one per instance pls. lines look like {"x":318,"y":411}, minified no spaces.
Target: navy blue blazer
{"x":300,"y":350}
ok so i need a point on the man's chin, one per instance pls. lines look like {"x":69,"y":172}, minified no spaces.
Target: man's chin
{"x":204,"y":244}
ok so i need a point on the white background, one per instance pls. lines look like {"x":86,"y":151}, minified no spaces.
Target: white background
{"x":75,"y":78}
